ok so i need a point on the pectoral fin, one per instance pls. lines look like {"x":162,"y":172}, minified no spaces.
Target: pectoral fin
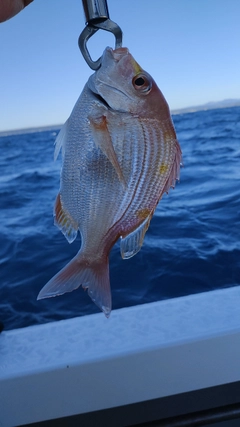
{"x":132,"y":243}
{"x":102,"y":139}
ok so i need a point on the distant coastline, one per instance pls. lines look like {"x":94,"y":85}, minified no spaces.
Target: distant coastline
{"x":30,"y":130}
{"x":226,"y":103}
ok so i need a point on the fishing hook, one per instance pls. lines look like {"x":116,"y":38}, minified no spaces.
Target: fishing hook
{"x":97,"y":18}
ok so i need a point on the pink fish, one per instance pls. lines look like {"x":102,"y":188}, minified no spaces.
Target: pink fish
{"x":120,"y":154}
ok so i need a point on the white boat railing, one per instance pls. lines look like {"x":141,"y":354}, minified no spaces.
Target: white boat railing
{"x":140,"y":354}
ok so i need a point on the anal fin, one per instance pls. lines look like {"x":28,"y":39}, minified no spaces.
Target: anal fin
{"x":64,"y":221}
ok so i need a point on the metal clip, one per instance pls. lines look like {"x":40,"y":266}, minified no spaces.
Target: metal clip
{"x":97,"y":17}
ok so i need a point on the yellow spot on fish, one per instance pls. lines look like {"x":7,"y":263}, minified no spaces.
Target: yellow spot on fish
{"x":167,"y":136}
{"x":143,"y":213}
{"x":136,"y":67}
{"x":163,"y":169}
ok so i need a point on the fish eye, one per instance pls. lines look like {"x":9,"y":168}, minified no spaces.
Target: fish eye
{"x":142,"y":83}
{"x":139,"y":81}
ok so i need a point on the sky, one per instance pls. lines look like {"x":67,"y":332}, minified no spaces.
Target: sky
{"x":190,"y":47}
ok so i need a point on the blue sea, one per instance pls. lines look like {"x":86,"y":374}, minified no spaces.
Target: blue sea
{"x":192,"y":245}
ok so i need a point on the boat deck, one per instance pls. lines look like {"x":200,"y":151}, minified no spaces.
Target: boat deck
{"x":145,"y":363}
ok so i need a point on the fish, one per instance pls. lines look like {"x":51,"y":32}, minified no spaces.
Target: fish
{"x":120,"y":154}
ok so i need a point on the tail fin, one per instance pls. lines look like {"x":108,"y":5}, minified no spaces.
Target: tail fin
{"x":94,"y":276}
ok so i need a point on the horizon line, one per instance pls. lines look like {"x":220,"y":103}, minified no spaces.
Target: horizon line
{"x":226,"y":103}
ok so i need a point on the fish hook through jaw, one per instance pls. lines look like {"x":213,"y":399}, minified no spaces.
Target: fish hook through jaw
{"x":97,"y":17}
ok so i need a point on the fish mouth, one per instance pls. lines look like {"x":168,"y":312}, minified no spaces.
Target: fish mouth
{"x":119,"y":53}
{"x":114,"y":54}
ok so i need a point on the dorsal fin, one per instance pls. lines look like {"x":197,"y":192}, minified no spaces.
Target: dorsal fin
{"x":175,"y":170}
{"x":132,"y":243}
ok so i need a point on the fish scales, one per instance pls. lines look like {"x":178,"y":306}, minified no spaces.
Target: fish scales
{"x":148,"y":190}
{"x":97,"y":175}
{"x":120,"y":154}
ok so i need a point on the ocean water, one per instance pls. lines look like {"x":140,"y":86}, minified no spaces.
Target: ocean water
{"x":192,"y":245}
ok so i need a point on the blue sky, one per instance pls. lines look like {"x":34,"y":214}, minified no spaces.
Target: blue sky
{"x":190,"y":47}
